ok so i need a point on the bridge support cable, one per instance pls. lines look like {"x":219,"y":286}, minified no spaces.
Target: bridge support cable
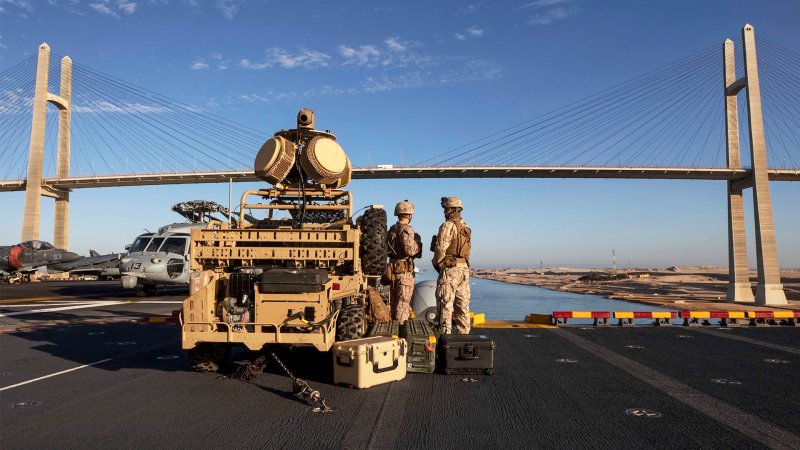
{"x":125,"y":118}
{"x":780,"y":70}
{"x":616,"y":127}
{"x":592,"y":130}
{"x":120,"y":128}
{"x":568,"y":112}
{"x":162,"y":126}
{"x":587,"y":127}
{"x":117,"y":137}
{"x":16,"y":91}
{"x":143,"y":121}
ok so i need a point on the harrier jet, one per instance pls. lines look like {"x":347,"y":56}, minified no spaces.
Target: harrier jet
{"x":18,"y":262}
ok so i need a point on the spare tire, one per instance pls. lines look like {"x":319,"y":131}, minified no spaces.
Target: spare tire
{"x":373,"y":241}
{"x":352,"y":323}
{"x":207,"y":356}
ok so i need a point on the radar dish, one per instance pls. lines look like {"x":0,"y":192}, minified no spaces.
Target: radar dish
{"x":274,"y":160}
{"x":324,"y":160}
{"x":347,"y":175}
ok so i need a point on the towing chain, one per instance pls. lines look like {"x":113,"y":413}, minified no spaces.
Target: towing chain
{"x":302,"y":388}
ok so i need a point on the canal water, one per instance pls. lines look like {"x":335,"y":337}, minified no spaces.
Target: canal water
{"x":507,"y":301}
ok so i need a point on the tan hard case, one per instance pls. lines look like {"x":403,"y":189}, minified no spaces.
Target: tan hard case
{"x":370,"y":361}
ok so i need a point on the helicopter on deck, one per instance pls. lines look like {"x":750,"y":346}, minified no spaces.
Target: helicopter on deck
{"x":162,"y":258}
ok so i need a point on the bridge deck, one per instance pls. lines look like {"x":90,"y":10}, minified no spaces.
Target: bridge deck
{"x":416,"y":172}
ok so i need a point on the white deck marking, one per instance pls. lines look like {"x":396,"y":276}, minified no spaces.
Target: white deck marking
{"x":55,"y":374}
{"x":63,"y":308}
{"x":160,"y":302}
{"x":42,"y":305}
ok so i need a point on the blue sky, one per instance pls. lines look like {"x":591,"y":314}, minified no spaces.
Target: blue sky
{"x":400,"y":81}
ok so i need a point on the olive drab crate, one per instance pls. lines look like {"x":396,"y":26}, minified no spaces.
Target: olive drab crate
{"x":388,"y":329}
{"x":421,"y":346}
{"x":366,"y":362}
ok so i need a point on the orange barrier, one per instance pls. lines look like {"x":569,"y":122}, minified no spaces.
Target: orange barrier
{"x":560,"y":318}
{"x":765,"y":318}
{"x":726,"y":318}
{"x":660,"y":318}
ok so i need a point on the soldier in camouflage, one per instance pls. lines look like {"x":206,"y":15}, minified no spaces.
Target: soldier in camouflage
{"x":451,"y":249}
{"x":404,"y":246}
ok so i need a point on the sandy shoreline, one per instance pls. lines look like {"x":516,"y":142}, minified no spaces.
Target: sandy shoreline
{"x":680,"y":288}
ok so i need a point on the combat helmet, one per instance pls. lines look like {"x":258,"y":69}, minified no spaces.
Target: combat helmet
{"x":452,"y":202}
{"x":404,"y":207}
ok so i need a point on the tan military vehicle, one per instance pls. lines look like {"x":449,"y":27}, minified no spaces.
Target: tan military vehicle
{"x":300,"y":275}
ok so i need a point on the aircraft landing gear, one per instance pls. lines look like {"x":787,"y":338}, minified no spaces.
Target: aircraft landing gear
{"x":150,"y":289}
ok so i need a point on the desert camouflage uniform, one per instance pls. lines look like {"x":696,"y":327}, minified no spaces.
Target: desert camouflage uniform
{"x":452,"y":288}
{"x":402,"y":288}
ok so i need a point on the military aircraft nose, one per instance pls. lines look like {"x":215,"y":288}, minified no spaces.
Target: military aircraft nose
{"x":15,"y":257}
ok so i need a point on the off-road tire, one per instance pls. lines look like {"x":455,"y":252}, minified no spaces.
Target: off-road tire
{"x":373,"y":241}
{"x":207,"y":357}
{"x":352,"y":323}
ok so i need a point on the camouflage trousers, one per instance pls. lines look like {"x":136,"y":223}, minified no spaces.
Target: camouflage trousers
{"x":452,"y":298}
{"x":401,"y":293}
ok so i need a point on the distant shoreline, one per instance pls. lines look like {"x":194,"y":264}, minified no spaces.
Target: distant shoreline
{"x":679,"y":288}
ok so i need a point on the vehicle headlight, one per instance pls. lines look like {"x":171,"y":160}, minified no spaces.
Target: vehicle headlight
{"x":155,"y":260}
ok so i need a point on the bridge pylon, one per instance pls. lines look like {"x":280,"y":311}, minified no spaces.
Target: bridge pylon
{"x":739,"y":289}
{"x":34,"y":189}
{"x":769,"y":290}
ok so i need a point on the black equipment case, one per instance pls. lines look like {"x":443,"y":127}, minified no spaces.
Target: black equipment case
{"x":421,"y":346}
{"x":292,"y":281}
{"x":466,"y":354}
{"x":388,"y":329}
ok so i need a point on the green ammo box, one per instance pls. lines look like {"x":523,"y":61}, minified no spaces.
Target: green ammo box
{"x":388,"y":329}
{"x":421,"y":346}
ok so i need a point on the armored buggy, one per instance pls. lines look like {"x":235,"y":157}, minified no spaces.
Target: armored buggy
{"x":299,"y":276}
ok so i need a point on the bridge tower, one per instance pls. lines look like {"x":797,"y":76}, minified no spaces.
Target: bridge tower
{"x":769,"y":290}
{"x":34,"y":188}
{"x":739,"y":289}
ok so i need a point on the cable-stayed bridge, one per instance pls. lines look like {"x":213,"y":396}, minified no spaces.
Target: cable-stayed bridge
{"x":679,"y":121}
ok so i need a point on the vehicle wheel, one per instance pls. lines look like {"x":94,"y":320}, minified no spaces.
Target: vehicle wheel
{"x":373,"y":241}
{"x":352,"y":323}
{"x":431,"y":315}
{"x":206,"y":357}
{"x":150,"y":289}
